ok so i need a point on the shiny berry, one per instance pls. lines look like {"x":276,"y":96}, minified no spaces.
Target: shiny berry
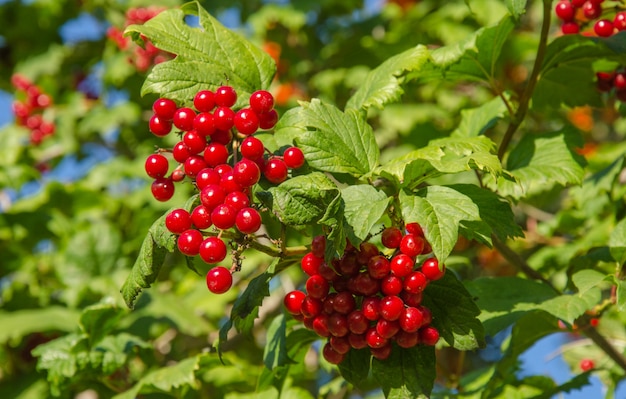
{"x":293,"y":301}
{"x":603,"y":28}
{"x":391,"y":307}
{"x":402,"y":265}
{"x":194,"y":141}
{"x":238,"y":200}
{"x":311,"y":264}
{"x":331,"y":355}
{"x":261,"y":101}
{"x":219,"y":280}
{"x":183,"y":118}
{"x":159,"y":127}
{"x":246,"y":172}
{"x":391,"y":237}
{"x":204,"y":124}
{"x":204,"y":101}
{"x":201,"y":217}
{"x":415,"y":282}
{"x":194,"y":165}
{"x":565,"y":10}
{"x":428,"y":335}
{"x":252,"y":148}
{"x":268,"y":120}
{"x":223,"y":216}
{"x":248,"y":220}
{"x":246,"y":121}
{"x":411,"y":319}
{"x":215,"y":154}
{"x":225,"y":96}
{"x":275,"y":171}
{"x":212,"y":195}
{"x":432,"y":270}
{"x":177,"y":221}
{"x":156,"y":166}
{"x":411,"y":245}
{"x":213,"y":250}
{"x":207,"y":176}
{"x":181,"y":152}
{"x":162,"y":189}
{"x":164,"y":108}
{"x":378,"y":267}
{"x":570,"y":28}
{"x":293,"y":157}
{"x":374,"y":339}
{"x":317,"y":287}
{"x":318,"y":246}
{"x":224,"y":118}
{"x":587,"y":364}
{"x":189,"y":242}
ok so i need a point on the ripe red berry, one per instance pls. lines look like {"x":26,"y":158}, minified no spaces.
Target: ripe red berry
{"x":407,"y":340}
{"x":194,"y":141}
{"x":164,"y":108}
{"x":357,"y":341}
{"x":252,"y":148}
{"x":386,"y":328}
{"x":338,"y":325}
{"x":391,"y":237}
{"x":428,"y":335}
{"x":374,"y":339}
{"x":570,"y":28}
{"x":268,"y":120}
{"x":162,"y":189}
{"x":181,"y":152}
{"x":177,"y":221}
{"x":246,"y":121}
{"x":212,"y":195}
{"x":246,"y":172}
{"x":340,"y":344}
{"x":275,"y":171}
{"x":411,"y":245}
{"x":391,"y":285}
{"x":344,"y":302}
{"x":223,"y":216}
{"x":320,"y":325}
{"x":194,"y":165}
{"x":378,"y":266}
{"x":311,"y":307}
{"x":619,"y":81}
{"x":317,"y":286}
{"x":366,"y":251}
{"x":415,"y":282}
{"x":201,"y":217}
{"x":222,"y":137}
{"x":402,"y":265}
{"x":224,"y":118}
{"x":207,"y":176}
{"x":366,"y":285}
{"x":293,"y":301}
{"x":411,"y":319}
{"x":311,"y":264}
{"x":619,"y":22}
{"x":189,"y":242}
{"x":215,"y":154}
{"x":261,"y":101}
{"x":415,"y":229}
{"x":213,"y":250}
{"x":371,"y":308}
{"x":178,"y":174}
{"x":587,"y":364}
{"x":592,"y":10}
{"x":159,"y":127}
{"x":183,"y":118}
{"x":204,"y":101}
{"x":225,"y":96}
{"x":248,"y":220}
{"x":156,"y":166}
{"x":357,"y":323}
{"x":331,"y":355}
{"x":318,"y":246}
{"x":219,"y":280}
{"x":229,"y":184}
{"x":204,"y":124}
{"x":432,"y":270}
{"x":238,"y":200}
{"x":390,"y":307}
{"x":603,"y":28}
{"x":565,"y":10}
{"x":293,"y":157}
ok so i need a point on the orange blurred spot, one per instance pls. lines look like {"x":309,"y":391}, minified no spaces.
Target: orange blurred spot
{"x":581,"y":117}
{"x":274,"y":50}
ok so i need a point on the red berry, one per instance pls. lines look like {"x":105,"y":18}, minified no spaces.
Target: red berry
{"x":371,"y":308}
{"x":246,"y":172}
{"x":578,"y":3}
{"x":428,"y":335}
{"x":177,"y":221}
{"x":162,"y":189}
{"x":619,"y":22}
{"x":181,"y":152}
{"x":338,"y":325}
{"x":320,"y":325}
{"x":415,"y":229}
{"x":619,"y":81}
{"x":411,"y":319}
{"x":407,"y":340}
{"x":366,"y":251}
{"x":213,"y":250}
{"x":225,"y":96}
{"x":293,"y":157}
{"x":207,"y":176}
{"x":224,"y":118}
{"x":222,"y":137}
{"x":592,"y":10}
{"x":275,"y":171}
{"x":293,"y":301}
{"x":204,"y":101}
{"x":178,"y":174}
{"x":411,"y":245}
{"x":381,"y":353}
{"x":223,"y":216}
{"x":411,"y":299}
{"x":194,"y":141}
{"x":189,"y":242}
{"x":357,"y":341}
{"x":212,"y":195}
{"x":340,"y":344}
{"x":391,"y":237}
{"x":201,"y":217}
{"x":261,"y":101}
{"x":238,"y":200}
{"x":565,"y":10}
{"x":219,"y":280}
{"x":344,"y":302}
{"x":415,"y":282}
{"x":194,"y":165}
{"x":252,"y":148}
{"x":603,"y":28}
{"x":204,"y":124}
{"x":570,"y":28}
{"x":267,"y":120}
{"x":246,"y":121}
{"x":432,"y":270}
{"x":357,"y":323}
{"x":386,"y":328}
{"x":183,"y":118}
{"x":317,"y":286}
{"x":223,"y":169}
{"x":215,"y":154}
{"x":402,"y":265}
{"x":311,"y":264}
{"x":311,"y":307}
{"x":374,"y":339}
{"x":378,"y":266}
{"x":331,"y":355}
{"x":164,"y":108}
{"x":156,"y":166}
{"x":159,"y":127}
{"x":587,"y":364}
{"x":248,"y":220}
{"x":390,"y":307}
{"x":391,"y":285}
{"x":318,"y":246}
{"x":229,"y":184}
{"x":366,"y":285}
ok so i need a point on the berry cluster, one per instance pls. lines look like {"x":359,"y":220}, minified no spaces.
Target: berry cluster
{"x":614,"y":80}
{"x":29,"y":108}
{"x":142,"y":57}
{"x":368,"y":300}
{"x":576,"y":13}
{"x":219,"y":153}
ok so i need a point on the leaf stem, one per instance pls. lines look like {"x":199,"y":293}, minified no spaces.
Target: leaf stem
{"x":524,"y":102}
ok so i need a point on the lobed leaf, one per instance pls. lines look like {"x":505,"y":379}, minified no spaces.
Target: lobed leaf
{"x":99,"y":320}
{"x":476,"y":121}
{"x":206,"y":57}
{"x":275,"y":354}
{"x":246,"y":306}
{"x":364,"y":206}
{"x":407,"y":373}
{"x":617,"y":242}
{"x":382,"y":84}
{"x":335,"y":141}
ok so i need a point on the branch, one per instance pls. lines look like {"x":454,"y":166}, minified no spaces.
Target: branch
{"x":599,"y":339}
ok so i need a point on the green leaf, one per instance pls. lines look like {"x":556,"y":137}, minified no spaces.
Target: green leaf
{"x":407,"y":373}
{"x":587,"y":279}
{"x":617,"y":242}
{"x":539,"y":162}
{"x":570,"y":58}
{"x":100,"y":319}
{"x":171,"y":380}
{"x":476,"y":121}
{"x":516,"y":7}
{"x":444,"y":210}
{"x":447,"y":155}
{"x":206,"y":57}
{"x":28,"y":321}
{"x":145,"y":271}
{"x":382,"y":84}
{"x":275,"y":353}
{"x":59,"y":358}
{"x":364,"y":206}
{"x":621,"y":295}
{"x":455,"y":313}
{"x":335,"y":141}
{"x":334,"y":219}
{"x":475,"y":58}
{"x":302,"y":199}
{"x":569,"y":307}
{"x":355,"y":367}
{"x":246,"y":307}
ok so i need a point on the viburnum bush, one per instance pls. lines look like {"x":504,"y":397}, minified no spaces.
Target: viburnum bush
{"x":324,"y":200}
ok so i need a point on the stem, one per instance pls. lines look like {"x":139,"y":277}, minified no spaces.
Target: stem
{"x":524,"y":102}
{"x":602,"y":342}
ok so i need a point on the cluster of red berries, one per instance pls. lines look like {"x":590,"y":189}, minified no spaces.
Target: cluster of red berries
{"x":142,"y":57}
{"x":29,"y":108}
{"x":614,"y":80}
{"x":576,"y":13}
{"x":368,"y":300}
{"x":223,"y":158}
